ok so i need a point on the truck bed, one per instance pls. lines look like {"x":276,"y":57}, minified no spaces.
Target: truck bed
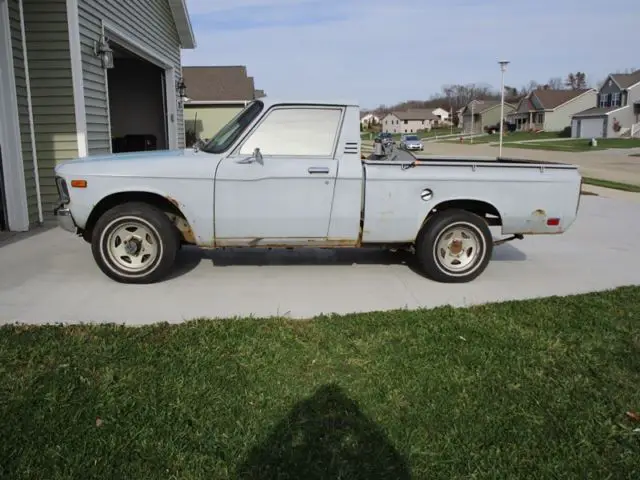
{"x":398,"y":156}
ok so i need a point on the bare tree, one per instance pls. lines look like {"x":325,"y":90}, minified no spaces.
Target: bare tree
{"x":556,"y":83}
{"x":576,"y":80}
{"x":530,"y":87}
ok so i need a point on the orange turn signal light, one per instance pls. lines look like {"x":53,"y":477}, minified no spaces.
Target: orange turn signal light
{"x":78,"y":183}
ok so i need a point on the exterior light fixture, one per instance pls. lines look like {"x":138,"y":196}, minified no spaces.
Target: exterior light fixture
{"x":101,"y":49}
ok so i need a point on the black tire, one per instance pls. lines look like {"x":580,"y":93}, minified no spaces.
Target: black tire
{"x":159,"y":237}
{"x":430,"y":258}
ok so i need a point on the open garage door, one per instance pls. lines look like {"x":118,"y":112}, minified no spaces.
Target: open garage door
{"x":137,"y":103}
{"x":591,"y":128}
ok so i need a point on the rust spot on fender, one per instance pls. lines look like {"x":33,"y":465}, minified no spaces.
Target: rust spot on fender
{"x":183,"y":227}
{"x":539,"y":213}
{"x":173,"y":202}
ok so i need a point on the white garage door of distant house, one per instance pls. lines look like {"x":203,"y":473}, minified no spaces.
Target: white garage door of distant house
{"x":591,"y":128}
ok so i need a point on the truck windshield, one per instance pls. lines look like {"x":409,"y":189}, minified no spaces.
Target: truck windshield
{"x":228,"y":134}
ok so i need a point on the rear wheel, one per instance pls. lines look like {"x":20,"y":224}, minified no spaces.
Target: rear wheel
{"x":454,"y":246}
{"x":134,"y":243}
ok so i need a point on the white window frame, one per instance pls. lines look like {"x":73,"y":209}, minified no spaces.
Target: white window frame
{"x":616,"y":99}
{"x":14,"y":187}
{"x":249,"y":134}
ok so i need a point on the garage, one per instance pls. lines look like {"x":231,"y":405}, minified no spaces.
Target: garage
{"x":136,"y":103}
{"x":588,"y":127}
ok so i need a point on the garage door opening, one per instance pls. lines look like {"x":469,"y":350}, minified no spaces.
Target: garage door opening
{"x":137,"y":103}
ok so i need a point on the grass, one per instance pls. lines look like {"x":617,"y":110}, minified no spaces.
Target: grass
{"x":535,"y":389}
{"x":577,"y":145}
{"x":626,"y":187}
{"x":512,"y":137}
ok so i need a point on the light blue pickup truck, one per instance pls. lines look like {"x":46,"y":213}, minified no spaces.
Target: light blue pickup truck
{"x":291,"y":174}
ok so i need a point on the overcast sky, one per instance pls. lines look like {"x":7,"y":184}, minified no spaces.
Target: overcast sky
{"x":386,"y":51}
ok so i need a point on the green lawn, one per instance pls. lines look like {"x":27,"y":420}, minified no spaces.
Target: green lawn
{"x":520,"y":390}
{"x":626,"y":187}
{"x":513,"y":137}
{"x":578,"y":145}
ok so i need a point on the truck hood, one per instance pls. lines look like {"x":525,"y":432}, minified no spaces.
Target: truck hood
{"x":149,"y":163}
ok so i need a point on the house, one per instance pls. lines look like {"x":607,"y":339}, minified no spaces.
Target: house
{"x":484,"y":113}
{"x":442,"y":114}
{"x":215,"y":95}
{"x":459,"y":117}
{"x":615,"y":111}
{"x":411,"y":121}
{"x":83,"y":77}
{"x":549,"y":109}
{"x":368,"y":118}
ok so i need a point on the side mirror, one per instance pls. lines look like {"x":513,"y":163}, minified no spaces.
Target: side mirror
{"x":257,"y":155}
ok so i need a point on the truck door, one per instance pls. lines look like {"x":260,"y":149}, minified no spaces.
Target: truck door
{"x":277,"y":186}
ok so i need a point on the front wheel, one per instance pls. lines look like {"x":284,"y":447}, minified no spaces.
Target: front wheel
{"x":454,"y":246}
{"x":134,"y":243}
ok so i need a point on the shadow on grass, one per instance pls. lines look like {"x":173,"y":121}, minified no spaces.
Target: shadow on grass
{"x":325,"y":437}
{"x":190,"y":257}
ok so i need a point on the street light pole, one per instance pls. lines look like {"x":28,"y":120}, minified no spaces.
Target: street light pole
{"x":503,"y":68}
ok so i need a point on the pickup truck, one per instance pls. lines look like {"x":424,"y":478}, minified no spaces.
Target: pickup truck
{"x":288,"y":174}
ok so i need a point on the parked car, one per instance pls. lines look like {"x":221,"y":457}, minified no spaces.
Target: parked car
{"x":291,"y":174}
{"x":411,"y":142}
{"x":507,"y":128}
{"x":386,"y":138}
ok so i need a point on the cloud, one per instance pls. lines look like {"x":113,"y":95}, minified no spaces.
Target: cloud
{"x":386,"y":51}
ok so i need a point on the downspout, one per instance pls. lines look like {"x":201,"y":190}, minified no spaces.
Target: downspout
{"x":34,"y":153}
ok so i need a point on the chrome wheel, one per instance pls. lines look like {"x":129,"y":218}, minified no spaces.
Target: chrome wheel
{"x":458,"y":248}
{"x":132,"y":245}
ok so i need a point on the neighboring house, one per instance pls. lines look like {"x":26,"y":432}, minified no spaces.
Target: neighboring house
{"x":442,"y":114}
{"x":83,"y":77}
{"x":411,"y":121}
{"x":367,"y":119}
{"x":484,"y":113}
{"x":215,"y":95}
{"x":550,"y":110}
{"x":615,"y":111}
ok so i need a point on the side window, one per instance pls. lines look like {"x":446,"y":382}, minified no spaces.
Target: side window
{"x":295,"y":132}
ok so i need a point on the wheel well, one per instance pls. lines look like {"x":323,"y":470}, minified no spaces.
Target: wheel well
{"x":480,"y":208}
{"x":166,"y":204}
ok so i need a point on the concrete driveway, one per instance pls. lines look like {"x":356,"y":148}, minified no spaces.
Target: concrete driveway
{"x":51,"y":277}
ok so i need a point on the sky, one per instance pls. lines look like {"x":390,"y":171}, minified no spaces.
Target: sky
{"x":387,"y":51}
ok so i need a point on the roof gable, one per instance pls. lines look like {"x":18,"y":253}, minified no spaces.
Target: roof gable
{"x":624,"y":80}
{"x":183,"y":23}
{"x":416,"y":114}
{"x":218,"y":84}
{"x":551,"y":99}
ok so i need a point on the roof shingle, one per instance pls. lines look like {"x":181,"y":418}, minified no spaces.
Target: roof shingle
{"x":218,"y":83}
{"x":626,"y":80}
{"x":550,"y":99}
{"x":416,"y":114}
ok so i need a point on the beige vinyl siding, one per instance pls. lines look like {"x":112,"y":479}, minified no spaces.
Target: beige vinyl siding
{"x":151,"y":24}
{"x":560,"y":118}
{"x":23,"y":109}
{"x":51,"y":90}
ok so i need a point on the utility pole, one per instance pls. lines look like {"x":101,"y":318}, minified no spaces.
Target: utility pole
{"x":503,"y":67}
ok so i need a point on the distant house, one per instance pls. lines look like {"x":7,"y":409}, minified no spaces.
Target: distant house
{"x":410,"y":121}
{"x":215,"y":94}
{"x":442,"y":114}
{"x":615,"y":111}
{"x":484,"y":113}
{"x":550,"y":110}
{"x":368,"y":118}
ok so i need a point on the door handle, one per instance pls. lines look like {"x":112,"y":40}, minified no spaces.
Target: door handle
{"x":313,"y":170}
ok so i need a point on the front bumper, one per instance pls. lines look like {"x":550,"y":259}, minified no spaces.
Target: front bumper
{"x":414,"y":147}
{"x":65,"y":219}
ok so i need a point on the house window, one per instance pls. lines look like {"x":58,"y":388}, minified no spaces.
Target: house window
{"x":616,"y":99}
{"x":604,"y":100}
{"x":313,"y":131}
{"x":406,"y":122}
